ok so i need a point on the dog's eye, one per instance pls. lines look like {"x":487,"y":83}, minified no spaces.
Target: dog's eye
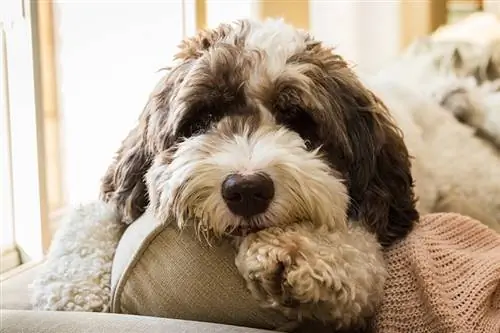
{"x":201,"y":125}
{"x":298,"y":120}
{"x":196,"y":126}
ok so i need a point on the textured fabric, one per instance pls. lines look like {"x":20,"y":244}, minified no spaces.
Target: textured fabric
{"x":77,"y":270}
{"x":444,"y":278}
{"x":80,"y":322}
{"x":173,"y":275}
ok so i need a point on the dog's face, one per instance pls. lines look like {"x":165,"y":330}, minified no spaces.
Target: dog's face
{"x":258,"y":125}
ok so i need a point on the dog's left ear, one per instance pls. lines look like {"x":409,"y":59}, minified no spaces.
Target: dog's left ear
{"x":381,"y":183}
{"x":369,"y":148}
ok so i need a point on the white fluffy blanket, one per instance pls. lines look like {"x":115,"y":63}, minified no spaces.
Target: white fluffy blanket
{"x":77,"y":273}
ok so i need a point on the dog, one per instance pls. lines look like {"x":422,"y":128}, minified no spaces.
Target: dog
{"x":260,"y":133}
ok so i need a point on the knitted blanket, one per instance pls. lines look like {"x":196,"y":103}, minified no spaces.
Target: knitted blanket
{"x":444,"y":278}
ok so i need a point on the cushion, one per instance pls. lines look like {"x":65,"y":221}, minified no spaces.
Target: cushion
{"x":159,"y":271}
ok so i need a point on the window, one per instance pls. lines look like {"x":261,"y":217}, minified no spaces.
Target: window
{"x":21,"y":204}
{"x":74,"y":78}
{"x":106,"y":72}
{"x":8,"y":254}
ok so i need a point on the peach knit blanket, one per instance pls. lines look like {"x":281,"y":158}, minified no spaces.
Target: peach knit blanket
{"x":444,"y":278}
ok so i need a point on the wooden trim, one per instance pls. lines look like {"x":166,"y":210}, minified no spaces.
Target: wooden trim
{"x":420,"y":18}
{"x":7,"y":204}
{"x":477,"y":4}
{"x":50,"y":103}
{"x":295,"y":12}
{"x":201,"y":14}
{"x":45,"y":59}
{"x":26,"y":134}
{"x":37,"y":19}
{"x":438,"y":14}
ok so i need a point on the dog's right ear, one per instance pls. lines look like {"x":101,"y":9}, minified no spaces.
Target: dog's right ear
{"x":123,"y":184}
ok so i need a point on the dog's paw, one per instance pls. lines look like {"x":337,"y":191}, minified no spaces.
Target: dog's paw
{"x":305,"y":273}
{"x":265,"y":262}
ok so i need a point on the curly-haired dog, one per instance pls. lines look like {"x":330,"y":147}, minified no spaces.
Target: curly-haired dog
{"x":260,"y":131}
{"x":258,"y":127}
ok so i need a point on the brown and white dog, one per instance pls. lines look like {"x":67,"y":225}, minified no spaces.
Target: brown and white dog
{"x":262,"y":133}
{"x":266,"y":106}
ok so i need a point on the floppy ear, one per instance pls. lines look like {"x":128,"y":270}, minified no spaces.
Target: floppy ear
{"x":123,"y":184}
{"x":365,"y":144}
{"x":381,"y":184}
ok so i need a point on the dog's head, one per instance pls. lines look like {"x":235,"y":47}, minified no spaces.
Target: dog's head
{"x":257,"y":125}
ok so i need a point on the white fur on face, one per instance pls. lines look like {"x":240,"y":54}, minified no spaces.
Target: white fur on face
{"x":187,"y":184}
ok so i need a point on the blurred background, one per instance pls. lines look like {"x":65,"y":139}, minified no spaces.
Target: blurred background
{"x":75,"y":75}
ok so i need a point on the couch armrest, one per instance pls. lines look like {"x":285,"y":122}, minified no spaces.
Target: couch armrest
{"x":76,"y":322}
{"x":15,"y":287}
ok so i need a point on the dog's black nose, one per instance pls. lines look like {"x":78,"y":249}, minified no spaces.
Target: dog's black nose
{"x":248,"y":195}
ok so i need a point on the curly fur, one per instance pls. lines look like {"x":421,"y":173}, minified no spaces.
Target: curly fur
{"x":196,"y":167}
{"x":76,"y":275}
{"x":310,"y":263}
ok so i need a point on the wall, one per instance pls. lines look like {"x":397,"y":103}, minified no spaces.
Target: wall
{"x":219,"y":11}
{"x":492,"y":6}
{"x":296,"y":12}
{"x":365,"y":33}
{"x":108,"y":56}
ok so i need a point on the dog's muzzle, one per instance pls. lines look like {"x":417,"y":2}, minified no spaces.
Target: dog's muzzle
{"x":248,"y":195}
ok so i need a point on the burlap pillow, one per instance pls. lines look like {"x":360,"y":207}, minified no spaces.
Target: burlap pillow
{"x":203,"y":283}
